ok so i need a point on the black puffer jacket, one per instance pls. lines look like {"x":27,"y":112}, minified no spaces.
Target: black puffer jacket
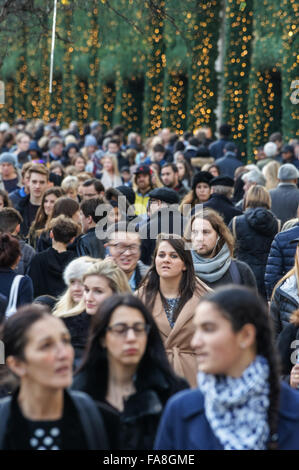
{"x":254,"y":232}
{"x":283,"y":305}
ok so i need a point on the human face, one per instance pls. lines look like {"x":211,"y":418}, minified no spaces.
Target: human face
{"x":107,"y":164}
{"x":181,"y":171}
{"x":219,"y":350}
{"x":37,"y":185}
{"x":96,"y":289}
{"x":143,"y":181}
{"x":8,"y":170}
{"x":125,"y":350}
{"x":76,"y":290}
{"x":72,"y":152}
{"x":113,"y":148}
{"x":214,"y":171}
{"x":23,"y":144}
{"x":1,"y":203}
{"x":26,"y":180}
{"x":169,"y":265}
{"x":49,"y":203}
{"x":247,"y":186}
{"x":85,"y":222}
{"x":76,"y":217}
{"x":57,"y":171}
{"x":72,"y":193}
{"x":57,"y":150}
{"x":169,"y":177}
{"x":203,"y":191}
{"x":203,"y":237}
{"x":158,"y":156}
{"x":80,"y":164}
{"x":124,"y":248}
{"x":48,"y":354}
{"x":88,"y":192}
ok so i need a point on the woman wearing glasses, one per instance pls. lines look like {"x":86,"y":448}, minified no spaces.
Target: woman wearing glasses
{"x":101,"y":280}
{"x":125,"y":370}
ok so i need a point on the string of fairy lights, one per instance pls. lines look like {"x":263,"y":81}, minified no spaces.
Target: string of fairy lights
{"x":104,"y":70}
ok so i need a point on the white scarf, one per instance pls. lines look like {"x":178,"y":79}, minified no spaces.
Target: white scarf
{"x":237,"y":408}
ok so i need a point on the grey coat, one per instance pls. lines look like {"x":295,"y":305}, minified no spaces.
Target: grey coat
{"x":285,"y":201}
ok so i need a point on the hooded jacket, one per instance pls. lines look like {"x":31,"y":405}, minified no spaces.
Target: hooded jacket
{"x":284,"y":302}
{"x":254,"y":232}
{"x":46,"y":271}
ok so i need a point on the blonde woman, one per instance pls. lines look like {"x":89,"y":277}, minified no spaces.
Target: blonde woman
{"x":72,"y":277}
{"x":70,"y":186}
{"x":110,"y":175}
{"x":270,"y":172}
{"x":285,"y":296}
{"x":254,"y":232}
{"x":101,"y":280}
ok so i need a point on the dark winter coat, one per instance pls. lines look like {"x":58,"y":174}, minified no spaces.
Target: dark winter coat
{"x":216,"y":148}
{"x":281,"y":257}
{"x":282,"y":306}
{"x":254,"y":232}
{"x":162,"y":221}
{"x":238,"y":273}
{"x":228,"y":164}
{"x":285,"y":201}
{"x":184,"y":425}
{"x":25,"y":293}
{"x":78,"y":326}
{"x":287,"y":345}
{"x":223,"y":206}
{"x":28,"y":217}
{"x":90,"y":245}
{"x":27,"y":253}
{"x":81,"y":418}
{"x":46,"y":270}
{"x":135,"y":427}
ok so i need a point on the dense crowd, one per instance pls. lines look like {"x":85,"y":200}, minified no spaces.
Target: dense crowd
{"x":149,"y":290}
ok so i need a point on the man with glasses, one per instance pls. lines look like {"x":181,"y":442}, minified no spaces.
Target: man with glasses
{"x":124,"y":248}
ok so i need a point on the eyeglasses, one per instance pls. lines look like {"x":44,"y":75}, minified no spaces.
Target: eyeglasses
{"x":121,"y":329}
{"x":120,"y":248}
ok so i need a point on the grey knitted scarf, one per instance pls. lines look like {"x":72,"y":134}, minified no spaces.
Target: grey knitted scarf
{"x":212,"y":269}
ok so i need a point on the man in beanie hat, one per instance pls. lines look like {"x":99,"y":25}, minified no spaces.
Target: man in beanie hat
{"x":220,"y":200}
{"x":10,"y":179}
{"x":285,"y":198}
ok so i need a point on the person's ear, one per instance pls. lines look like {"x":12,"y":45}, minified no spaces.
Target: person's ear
{"x":17,"y":366}
{"x":51,"y":234}
{"x":247,"y":336}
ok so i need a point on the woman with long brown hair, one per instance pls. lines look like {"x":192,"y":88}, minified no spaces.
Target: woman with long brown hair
{"x":171,"y":291}
{"x":44,"y":214}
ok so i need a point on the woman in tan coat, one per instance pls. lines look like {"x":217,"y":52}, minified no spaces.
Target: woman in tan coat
{"x":171,"y":291}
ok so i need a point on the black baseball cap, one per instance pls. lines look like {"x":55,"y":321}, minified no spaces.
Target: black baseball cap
{"x":168,"y":195}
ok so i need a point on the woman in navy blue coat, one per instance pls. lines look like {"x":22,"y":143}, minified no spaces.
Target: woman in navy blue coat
{"x":10,"y":254}
{"x":240,"y":403}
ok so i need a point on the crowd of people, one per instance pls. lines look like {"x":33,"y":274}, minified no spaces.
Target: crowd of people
{"x":149,"y":290}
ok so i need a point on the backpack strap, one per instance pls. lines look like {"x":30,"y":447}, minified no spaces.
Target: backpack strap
{"x":235,"y":273}
{"x":13,"y":296}
{"x":4,"y":414}
{"x":91,"y":420}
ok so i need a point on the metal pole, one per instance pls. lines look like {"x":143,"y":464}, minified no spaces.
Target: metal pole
{"x":53,"y":46}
